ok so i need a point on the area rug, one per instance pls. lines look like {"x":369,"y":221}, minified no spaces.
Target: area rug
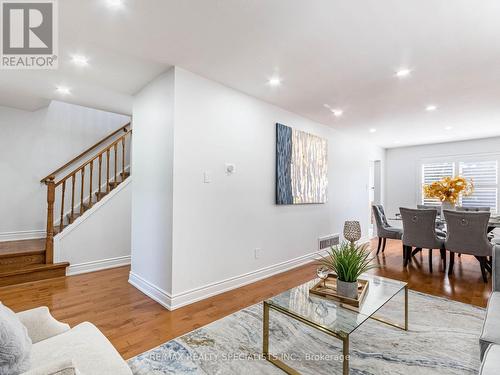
{"x":443,"y":339}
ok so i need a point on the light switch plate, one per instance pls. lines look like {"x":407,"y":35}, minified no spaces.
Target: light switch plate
{"x":207,"y":177}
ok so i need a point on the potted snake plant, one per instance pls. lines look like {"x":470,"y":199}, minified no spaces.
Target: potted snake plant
{"x":348,"y":260}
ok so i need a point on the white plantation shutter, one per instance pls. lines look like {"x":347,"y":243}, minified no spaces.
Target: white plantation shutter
{"x":433,"y":172}
{"x":484,"y":174}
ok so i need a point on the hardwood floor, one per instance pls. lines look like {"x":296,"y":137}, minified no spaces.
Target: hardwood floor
{"x":465,"y":285}
{"x":134,"y":323}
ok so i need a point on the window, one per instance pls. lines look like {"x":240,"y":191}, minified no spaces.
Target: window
{"x":482,"y":171}
{"x":433,"y":172}
{"x":484,"y":176}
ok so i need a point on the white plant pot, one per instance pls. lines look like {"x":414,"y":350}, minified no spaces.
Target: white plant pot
{"x":349,"y":290}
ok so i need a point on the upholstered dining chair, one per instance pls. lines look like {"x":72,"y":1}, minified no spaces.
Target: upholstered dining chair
{"x":419,"y":232}
{"x":473,"y":209}
{"x":439,"y":224}
{"x":468,"y":234}
{"x":428,"y":207}
{"x":384,"y":229}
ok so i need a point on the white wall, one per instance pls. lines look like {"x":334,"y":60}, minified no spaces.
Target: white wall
{"x":100,"y":238}
{"x":218,"y":226}
{"x":192,"y":239}
{"x":152,"y":168}
{"x":33,"y":144}
{"x":403,"y":168}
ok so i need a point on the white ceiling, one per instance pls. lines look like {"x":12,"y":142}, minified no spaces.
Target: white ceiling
{"x":336,"y":52}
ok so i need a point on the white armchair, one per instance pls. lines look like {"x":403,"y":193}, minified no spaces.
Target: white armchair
{"x":59,"y":349}
{"x":40,"y":324}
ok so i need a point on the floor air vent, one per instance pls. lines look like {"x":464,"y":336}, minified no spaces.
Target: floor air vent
{"x":328,"y":241}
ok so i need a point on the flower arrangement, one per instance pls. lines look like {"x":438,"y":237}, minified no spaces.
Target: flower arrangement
{"x":449,"y":189}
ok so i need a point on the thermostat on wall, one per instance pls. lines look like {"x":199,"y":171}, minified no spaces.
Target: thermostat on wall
{"x":230,"y":168}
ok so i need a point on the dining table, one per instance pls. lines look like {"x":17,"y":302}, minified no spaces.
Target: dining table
{"x":493,"y":223}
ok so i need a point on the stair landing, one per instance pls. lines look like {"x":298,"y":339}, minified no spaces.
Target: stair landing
{"x":24,"y":261}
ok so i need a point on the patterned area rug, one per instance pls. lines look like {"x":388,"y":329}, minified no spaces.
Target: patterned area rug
{"x":443,"y":339}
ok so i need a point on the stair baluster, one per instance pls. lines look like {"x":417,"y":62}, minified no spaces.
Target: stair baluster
{"x":123,"y":159}
{"x":107,"y":171}
{"x":49,"y":240}
{"x":82,"y":196}
{"x":52,"y":185}
{"x":116,"y":164}
{"x":100,"y":178}
{"x":61,"y":221}
{"x":90,"y":183}
{"x":73,"y":178}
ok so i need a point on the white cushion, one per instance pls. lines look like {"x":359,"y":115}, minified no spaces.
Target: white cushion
{"x":89,"y":349}
{"x":491,"y":332}
{"x":491,"y":362}
{"x":62,"y":367}
{"x":15,"y":344}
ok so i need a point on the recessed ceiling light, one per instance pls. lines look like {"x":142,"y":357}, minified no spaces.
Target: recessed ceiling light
{"x":80,"y":60}
{"x":115,"y":3}
{"x":275,"y":81}
{"x":401,"y":73}
{"x":63,"y":90}
{"x":397,"y":142}
{"x":337,"y":112}
{"x":372,"y":130}
{"x":448,"y":128}
{"x":431,"y":108}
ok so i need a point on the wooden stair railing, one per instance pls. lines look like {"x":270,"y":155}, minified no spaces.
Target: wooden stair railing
{"x":56,"y":190}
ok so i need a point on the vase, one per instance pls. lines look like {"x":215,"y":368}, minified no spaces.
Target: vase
{"x":446,"y":206}
{"x":349,"y":290}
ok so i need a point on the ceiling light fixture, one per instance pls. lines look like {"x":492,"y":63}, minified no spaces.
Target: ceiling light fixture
{"x":448,"y":128}
{"x":336,"y":112}
{"x":80,"y":60}
{"x":275,"y":81}
{"x":402,"y":73}
{"x":63,"y":90}
{"x":115,"y":3}
{"x":431,"y":108}
{"x":373,"y":130}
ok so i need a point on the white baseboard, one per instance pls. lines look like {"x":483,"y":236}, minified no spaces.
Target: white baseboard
{"x":200,"y":293}
{"x":152,"y":291}
{"x":22,"y":235}
{"x":103,"y":264}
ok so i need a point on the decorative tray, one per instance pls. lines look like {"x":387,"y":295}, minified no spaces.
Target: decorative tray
{"x":328,"y":289}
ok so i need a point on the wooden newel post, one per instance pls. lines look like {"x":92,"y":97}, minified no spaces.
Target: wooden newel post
{"x":49,"y":241}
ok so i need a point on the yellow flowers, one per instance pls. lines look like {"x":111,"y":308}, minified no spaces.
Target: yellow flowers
{"x":449,"y":189}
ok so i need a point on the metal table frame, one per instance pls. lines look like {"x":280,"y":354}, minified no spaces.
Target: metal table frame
{"x":344,"y":337}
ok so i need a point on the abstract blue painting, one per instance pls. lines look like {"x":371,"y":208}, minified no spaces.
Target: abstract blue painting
{"x":301,"y":167}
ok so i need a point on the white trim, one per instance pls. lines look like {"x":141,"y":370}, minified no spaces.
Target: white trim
{"x":197,"y":294}
{"x":151,"y":290}
{"x":22,"y":235}
{"x":97,"y":265}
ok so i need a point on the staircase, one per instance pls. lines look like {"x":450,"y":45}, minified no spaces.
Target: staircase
{"x":72,"y":190}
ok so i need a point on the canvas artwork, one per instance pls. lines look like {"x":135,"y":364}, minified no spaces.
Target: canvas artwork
{"x":301,"y":167}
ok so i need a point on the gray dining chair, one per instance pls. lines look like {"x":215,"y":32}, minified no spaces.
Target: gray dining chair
{"x":473,"y":209}
{"x":384,"y":229}
{"x":468,"y":234}
{"x":419,"y":232}
{"x":439,"y":224}
{"x":429,"y":207}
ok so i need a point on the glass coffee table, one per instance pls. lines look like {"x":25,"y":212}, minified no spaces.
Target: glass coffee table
{"x":331,"y":317}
